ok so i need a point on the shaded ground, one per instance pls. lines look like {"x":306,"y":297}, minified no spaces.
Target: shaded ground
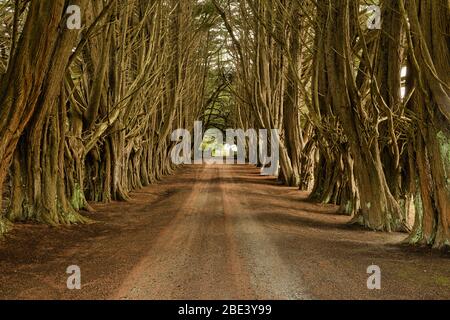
{"x":217,"y":232}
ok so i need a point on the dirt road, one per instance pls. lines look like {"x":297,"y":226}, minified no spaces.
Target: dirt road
{"x":217,"y":232}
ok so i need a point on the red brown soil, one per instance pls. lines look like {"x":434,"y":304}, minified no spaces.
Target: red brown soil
{"x":217,"y":232}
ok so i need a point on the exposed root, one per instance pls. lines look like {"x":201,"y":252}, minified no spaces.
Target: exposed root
{"x":390,"y":225}
{"x":63,"y":218}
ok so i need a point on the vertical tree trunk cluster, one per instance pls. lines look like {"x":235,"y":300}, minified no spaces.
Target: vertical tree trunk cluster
{"x":266,"y":39}
{"x":364,"y":136}
{"x":428,"y":28}
{"x":86,"y":115}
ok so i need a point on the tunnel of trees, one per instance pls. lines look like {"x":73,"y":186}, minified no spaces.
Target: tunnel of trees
{"x":363,"y":111}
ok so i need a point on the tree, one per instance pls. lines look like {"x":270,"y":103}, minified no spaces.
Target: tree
{"x":43,"y":50}
{"x":430,"y":104}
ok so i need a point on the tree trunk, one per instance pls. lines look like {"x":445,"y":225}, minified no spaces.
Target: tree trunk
{"x":430,"y":62}
{"x":42,"y":51}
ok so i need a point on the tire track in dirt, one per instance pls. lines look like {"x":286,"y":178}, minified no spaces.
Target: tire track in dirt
{"x":151,"y":277}
{"x":213,"y":249}
{"x":194,"y":257}
{"x":271,"y":278}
